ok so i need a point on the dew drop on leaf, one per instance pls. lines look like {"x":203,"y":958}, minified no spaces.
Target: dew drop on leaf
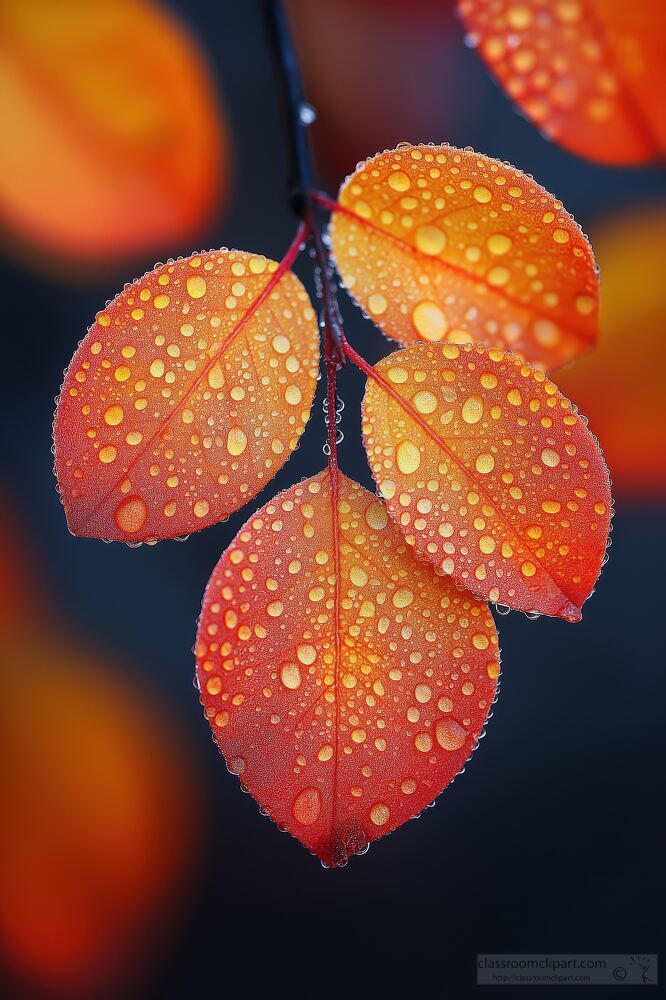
{"x":589,"y":74}
{"x":501,"y":485}
{"x":188,"y":394}
{"x":351,"y":679}
{"x":438,"y":244}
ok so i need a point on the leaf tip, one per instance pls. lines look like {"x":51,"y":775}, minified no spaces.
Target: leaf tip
{"x":335,"y":851}
{"x":570,"y":612}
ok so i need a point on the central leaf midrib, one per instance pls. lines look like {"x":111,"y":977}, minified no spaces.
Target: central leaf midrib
{"x":407,"y":248}
{"x":473,"y":478}
{"x":334,"y":482}
{"x":251,"y":310}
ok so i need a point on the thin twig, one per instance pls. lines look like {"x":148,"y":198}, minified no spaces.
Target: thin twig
{"x":298,"y":116}
{"x":294,"y":106}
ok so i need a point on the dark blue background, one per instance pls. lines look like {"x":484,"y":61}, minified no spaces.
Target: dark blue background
{"x":550,"y":841}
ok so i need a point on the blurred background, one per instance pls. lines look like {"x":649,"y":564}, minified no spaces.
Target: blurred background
{"x":130,"y":862}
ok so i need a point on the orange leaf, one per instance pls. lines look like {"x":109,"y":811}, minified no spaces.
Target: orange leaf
{"x":345,"y":682}
{"x":187,"y":395}
{"x":100,"y":817}
{"x":491,"y":474}
{"x":621,"y":386}
{"x":437,"y":243}
{"x":101,"y":809}
{"x":589,"y":73}
{"x":114,"y":141}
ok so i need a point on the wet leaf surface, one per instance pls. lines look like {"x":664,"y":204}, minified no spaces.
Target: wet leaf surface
{"x":491,"y":474}
{"x":589,"y":73}
{"x":440,"y":244}
{"x":187,"y":395}
{"x":344,"y":681}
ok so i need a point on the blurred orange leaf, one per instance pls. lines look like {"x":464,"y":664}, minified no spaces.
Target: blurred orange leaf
{"x":620,"y":386}
{"x":100,"y":810}
{"x":491,"y":474}
{"x":114,"y":141}
{"x":589,"y":73}
{"x":187,"y":395}
{"x":99,"y":816}
{"x":436,"y":243}
{"x":344,"y":681}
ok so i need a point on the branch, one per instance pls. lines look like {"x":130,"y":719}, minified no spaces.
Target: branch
{"x":298,"y":114}
{"x":296,"y":111}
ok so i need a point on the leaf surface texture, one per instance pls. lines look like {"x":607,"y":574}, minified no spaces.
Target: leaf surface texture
{"x":491,"y":474}
{"x":189,"y":392}
{"x":344,"y":681}
{"x":441,"y":244}
{"x":589,"y":73}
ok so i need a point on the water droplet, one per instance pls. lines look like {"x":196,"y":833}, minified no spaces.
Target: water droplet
{"x":131,"y":514}
{"x":450,"y":734}
{"x":429,"y":320}
{"x":306,"y":807}
{"x":307,"y":114}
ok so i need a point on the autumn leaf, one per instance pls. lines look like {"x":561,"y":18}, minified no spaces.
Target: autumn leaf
{"x":101,"y":806}
{"x":344,"y":681}
{"x":589,"y":73}
{"x":440,"y":244}
{"x":114,"y":140}
{"x":100,"y":816}
{"x":491,"y":474}
{"x":187,"y":395}
{"x":620,"y":386}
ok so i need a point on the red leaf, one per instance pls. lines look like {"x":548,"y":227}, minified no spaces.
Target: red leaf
{"x":441,"y":244}
{"x":344,"y":681}
{"x":490,"y":474}
{"x":589,"y":73}
{"x":186,"y":396}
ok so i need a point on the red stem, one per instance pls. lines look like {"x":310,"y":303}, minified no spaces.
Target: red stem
{"x":359,"y":360}
{"x":322,"y":199}
{"x":332,"y":346}
{"x":332,"y":401}
{"x":372,"y":373}
{"x":333,"y":334}
{"x":367,"y":369}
